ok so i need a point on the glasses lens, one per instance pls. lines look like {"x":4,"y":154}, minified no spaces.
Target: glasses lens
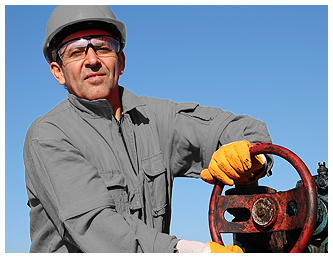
{"x":105,"y":45}
{"x":74,"y":50}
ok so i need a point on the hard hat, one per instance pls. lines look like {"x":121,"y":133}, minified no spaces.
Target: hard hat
{"x":67,"y":19}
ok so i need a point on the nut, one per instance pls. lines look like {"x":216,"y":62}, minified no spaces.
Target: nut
{"x":262,"y":212}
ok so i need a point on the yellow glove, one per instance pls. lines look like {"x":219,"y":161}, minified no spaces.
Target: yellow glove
{"x":189,"y":246}
{"x":233,"y":164}
{"x":217,"y":248}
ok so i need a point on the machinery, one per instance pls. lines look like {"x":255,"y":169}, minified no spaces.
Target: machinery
{"x":267,"y":221}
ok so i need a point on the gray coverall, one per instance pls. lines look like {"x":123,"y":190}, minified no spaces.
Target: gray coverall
{"x":96,"y":184}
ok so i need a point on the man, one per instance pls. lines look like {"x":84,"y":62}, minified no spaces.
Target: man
{"x":100,"y":165}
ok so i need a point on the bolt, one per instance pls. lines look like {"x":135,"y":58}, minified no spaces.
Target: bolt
{"x":322,"y":169}
{"x":261,"y":212}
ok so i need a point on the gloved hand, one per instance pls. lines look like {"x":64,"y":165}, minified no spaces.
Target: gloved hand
{"x":188,"y":246}
{"x":233,"y":164}
{"x":217,"y":248}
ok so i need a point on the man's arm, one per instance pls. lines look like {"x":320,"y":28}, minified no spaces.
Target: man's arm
{"x":196,"y":132}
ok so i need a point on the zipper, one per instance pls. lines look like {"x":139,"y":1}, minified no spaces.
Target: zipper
{"x":120,"y":131}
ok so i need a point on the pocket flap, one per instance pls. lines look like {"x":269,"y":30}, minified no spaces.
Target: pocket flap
{"x":159,"y":211}
{"x":186,"y":106}
{"x":154,"y":165}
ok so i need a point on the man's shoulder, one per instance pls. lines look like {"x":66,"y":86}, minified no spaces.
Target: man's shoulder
{"x":51,"y":119}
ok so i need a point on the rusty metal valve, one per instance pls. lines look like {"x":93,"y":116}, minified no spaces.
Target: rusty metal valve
{"x":268,"y":210}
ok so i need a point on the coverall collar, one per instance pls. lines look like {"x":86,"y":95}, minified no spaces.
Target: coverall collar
{"x":101,"y":107}
{"x":129,"y":100}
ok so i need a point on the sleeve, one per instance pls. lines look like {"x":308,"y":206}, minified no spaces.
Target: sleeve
{"x":77,"y":201}
{"x":198,"y":131}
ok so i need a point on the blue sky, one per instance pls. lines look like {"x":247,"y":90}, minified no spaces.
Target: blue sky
{"x":270,"y":62}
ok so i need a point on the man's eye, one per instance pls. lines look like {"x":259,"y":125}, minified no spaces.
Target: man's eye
{"x":103,"y":50}
{"x":76,"y":52}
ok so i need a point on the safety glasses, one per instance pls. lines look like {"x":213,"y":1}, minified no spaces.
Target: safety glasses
{"x":77,"y":49}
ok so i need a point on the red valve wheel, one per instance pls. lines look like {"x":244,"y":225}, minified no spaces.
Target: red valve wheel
{"x":305,"y":197}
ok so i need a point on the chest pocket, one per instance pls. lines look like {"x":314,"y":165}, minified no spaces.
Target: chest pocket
{"x":155,"y":176}
{"x":115,"y":183}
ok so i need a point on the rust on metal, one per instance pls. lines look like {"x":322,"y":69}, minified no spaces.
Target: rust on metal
{"x":268,"y":210}
{"x":263,"y":212}
{"x":280,"y":200}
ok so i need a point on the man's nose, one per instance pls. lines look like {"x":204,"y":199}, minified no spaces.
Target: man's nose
{"x":91,"y":57}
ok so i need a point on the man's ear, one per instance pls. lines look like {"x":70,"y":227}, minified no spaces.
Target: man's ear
{"x":57,"y":72}
{"x":121,"y":60}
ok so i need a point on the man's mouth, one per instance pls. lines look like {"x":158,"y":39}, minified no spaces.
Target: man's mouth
{"x":94,"y":76}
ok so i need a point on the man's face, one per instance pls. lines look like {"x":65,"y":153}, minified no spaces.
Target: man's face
{"x":92,"y":77}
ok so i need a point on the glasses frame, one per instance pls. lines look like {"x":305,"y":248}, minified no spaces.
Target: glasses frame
{"x":88,"y":38}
